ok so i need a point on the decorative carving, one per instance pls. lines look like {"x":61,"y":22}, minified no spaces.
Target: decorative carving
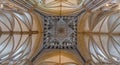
{"x":60,"y":32}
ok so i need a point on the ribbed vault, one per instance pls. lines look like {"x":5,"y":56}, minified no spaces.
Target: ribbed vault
{"x":59,"y":32}
{"x":58,"y":57}
{"x":58,"y":7}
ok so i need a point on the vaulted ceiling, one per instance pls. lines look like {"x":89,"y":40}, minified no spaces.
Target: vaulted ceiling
{"x":59,"y":32}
